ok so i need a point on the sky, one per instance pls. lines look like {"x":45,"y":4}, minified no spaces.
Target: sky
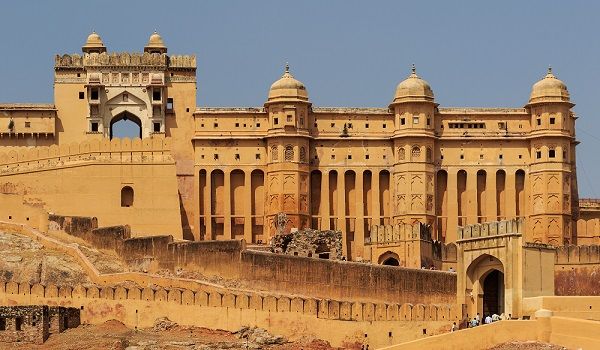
{"x":347,"y":53}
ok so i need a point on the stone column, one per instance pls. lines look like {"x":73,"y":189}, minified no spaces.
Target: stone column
{"x":376,"y":208}
{"x":208,"y":205}
{"x":248,"y":207}
{"x":452,"y":222}
{"x":196,"y":222}
{"x":511,"y":194}
{"x":325,"y":205}
{"x":359,"y":223}
{"x":490,"y":196}
{"x":227,"y":233}
{"x":341,"y":217}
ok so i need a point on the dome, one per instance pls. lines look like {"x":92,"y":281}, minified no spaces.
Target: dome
{"x":155,"y":44}
{"x":94,"y":43}
{"x":549,"y":89}
{"x":287,"y":88}
{"x":413,"y":88}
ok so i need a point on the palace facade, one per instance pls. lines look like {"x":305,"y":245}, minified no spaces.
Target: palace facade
{"x":228,"y":172}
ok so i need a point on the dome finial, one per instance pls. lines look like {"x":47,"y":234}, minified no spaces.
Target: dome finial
{"x":549,"y":69}
{"x":414,"y":69}
{"x":287,"y":67}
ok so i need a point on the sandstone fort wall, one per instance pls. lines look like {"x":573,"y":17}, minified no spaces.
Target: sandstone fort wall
{"x":89,"y":179}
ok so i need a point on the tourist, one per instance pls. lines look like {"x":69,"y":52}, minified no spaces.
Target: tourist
{"x":454,"y":328}
{"x":451,"y":269}
{"x":488,"y":319}
{"x":478,"y":318}
{"x":495,"y":318}
{"x":474,"y":323}
{"x":432,"y":267}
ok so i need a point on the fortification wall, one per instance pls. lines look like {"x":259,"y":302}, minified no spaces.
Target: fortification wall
{"x":287,"y":274}
{"x":576,"y":270}
{"x":334,"y":321}
{"x":87,"y":179}
{"x":347,"y":280}
{"x":588,"y":228}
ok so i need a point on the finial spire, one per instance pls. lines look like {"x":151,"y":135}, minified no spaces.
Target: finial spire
{"x":414,"y":69}
{"x":287,"y":67}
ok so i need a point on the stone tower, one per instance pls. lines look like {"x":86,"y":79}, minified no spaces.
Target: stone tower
{"x":287,"y":149}
{"x":552,"y":173}
{"x":414,"y":141}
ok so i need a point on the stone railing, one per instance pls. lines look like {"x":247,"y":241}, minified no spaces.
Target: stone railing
{"x":124,"y":59}
{"x":382,"y":234}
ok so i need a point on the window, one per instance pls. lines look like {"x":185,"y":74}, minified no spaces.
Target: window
{"x":520,"y":156}
{"x":367,"y":126}
{"x":237,"y":125}
{"x":216,"y":125}
{"x":366,"y":156}
{"x":201,"y":125}
{"x":81,"y":95}
{"x":481,"y":156}
{"x":216,"y":156}
{"x":94,"y":127}
{"x":349,"y":125}
{"x":18,"y":323}
{"x":538,"y":154}
{"x":237,"y":156}
{"x":289,"y":153}
{"x":289,"y":118}
{"x":441,"y":157}
{"x":429,"y":154}
{"x":301,"y":121}
{"x":500,"y":156}
{"x":384,"y":126}
{"x":258,"y":125}
{"x":415,"y":152}
{"x":315,"y":125}
{"x":564,"y":155}
{"x":274,"y":153}
{"x":275,"y":121}
{"x":170,"y":104}
{"x":462,"y":156}
{"x":28,"y":124}
{"x":501,"y":126}
{"x":333,"y":125}
{"x":302,"y":154}
{"x":156,"y":95}
{"x":552,"y":120}
{"x":156,"y":127}
{"x":539,"y":121}
{"x":257,"y":156}
{"x":402,"y":121}
{"x":127,"y":196}
{"x":94,"y":94}
{"x":415,"y":120}
{"x":428,"y":121}
{"x":333,"y":156}
{"x":551,"y":153}
{"x":349,"y":156}
{"x":401,"y":153}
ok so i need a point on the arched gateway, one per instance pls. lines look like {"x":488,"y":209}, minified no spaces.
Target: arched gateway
{"x":496,"y":270}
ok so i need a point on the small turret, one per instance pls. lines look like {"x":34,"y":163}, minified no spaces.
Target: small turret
{"x":93,"y":44}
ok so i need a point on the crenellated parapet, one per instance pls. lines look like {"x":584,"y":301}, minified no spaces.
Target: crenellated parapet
{"x":490,"y":229}
{"x":578,"y":255}
{"x":399,"y":233}
{"x":148,"y":150}
{"x":124,"y":59}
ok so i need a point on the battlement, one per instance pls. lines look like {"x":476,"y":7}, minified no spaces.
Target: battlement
{"x":576,"y":255}
{"x":124,"y":59}
{"x":148,"y":150}
{"x":398,"y":233}
{"x":495,"y":228}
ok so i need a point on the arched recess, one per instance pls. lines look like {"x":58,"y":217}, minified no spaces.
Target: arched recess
{"x":501,"y":194}
{"x":481,"y":195}
{"x":461,"y":190}
{"x":485,"y":285}
{"x":520,"y":192}
{"x":316,"y":210}
{"x":389,"y":258}
{"x":125,"y":124}
{"x":126,"y":196}
{"x":257,"y":179}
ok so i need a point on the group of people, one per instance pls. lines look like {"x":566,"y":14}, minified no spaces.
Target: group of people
{"x":476,"y":321}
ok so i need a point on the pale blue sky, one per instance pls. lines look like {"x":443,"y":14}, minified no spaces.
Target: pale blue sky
{"x":348,"y":53}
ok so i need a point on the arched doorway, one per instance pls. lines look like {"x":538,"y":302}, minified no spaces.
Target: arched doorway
{"x":484,"y":289}
{"x":391,"y":262}
{"x":493,"y":293}
{"x":389,"y":258}
{"x":125,"y":124}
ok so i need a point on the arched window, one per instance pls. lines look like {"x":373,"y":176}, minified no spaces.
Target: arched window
{"x":429,"y":154}
{"x":302,"y":155}
{"x":415,"y":153}
{"x":127,"y":196}
{"x":401,"y":154}
{"x":289,"y":153}
{"x":274,"y":153}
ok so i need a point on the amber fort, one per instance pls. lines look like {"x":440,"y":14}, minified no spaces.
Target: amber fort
{"x":382,"y":226}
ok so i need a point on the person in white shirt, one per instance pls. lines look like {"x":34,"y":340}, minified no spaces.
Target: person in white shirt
{"x":488,"y":319}
{"x":495,"y":318}
{"x":453,"y":327}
